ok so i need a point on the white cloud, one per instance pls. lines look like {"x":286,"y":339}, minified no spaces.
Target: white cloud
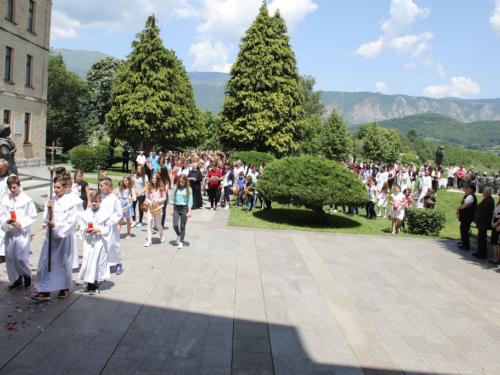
{"x":210,"y":55}
{"x":293,"y":11}
{"x":381,"y":87}
{"x":70,"y":17}
{"x":460,"y":87}
{"x":404,"y":13}
{"x":495,"y":18}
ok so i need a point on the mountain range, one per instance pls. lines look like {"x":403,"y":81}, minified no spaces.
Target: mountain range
{"x":355,"y":107}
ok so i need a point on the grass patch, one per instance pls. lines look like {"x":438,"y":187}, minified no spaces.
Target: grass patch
{"x":293,"y":218}
{"x":115,"y":170}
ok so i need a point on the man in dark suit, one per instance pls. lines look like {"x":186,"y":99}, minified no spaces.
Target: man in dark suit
{"x":466,"y":213}
{"x":484,"y":214}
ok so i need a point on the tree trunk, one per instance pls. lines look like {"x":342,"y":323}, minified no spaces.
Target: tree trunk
{"x":318,"y":210}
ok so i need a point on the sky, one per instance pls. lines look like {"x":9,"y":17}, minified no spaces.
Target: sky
{"x":435,"y":48}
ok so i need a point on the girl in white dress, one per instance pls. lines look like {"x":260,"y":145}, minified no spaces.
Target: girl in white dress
{"x":382,"y":202}
{"x":397,"y":213}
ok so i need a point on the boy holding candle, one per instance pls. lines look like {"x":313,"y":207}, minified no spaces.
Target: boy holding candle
{"x":17,"y":215}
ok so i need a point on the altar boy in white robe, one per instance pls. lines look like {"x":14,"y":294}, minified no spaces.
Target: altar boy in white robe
{"x":17,"y":215}
{"x":63,"y":224}
{"x":111,"y":204}
{"x":96,"y":231}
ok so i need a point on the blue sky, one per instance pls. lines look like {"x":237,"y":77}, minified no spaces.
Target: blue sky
{"x":434,"y":48}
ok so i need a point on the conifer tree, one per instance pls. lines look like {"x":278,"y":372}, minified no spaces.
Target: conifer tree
{"x":152,"y":98}
{"x":334,"y":137}
{"x":263,"y":109}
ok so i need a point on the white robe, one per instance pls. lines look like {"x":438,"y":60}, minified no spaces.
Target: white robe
{"x":64,"y":214}
{"x":75,"y":258}
{"x":426,"y":184}
{"x":4,"y":192}
{"x":17,"y":240}
{"x":95,"y":255}
{"x":111,"y":205}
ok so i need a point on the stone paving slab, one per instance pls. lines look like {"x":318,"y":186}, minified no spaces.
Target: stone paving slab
{"x":245,"y":301}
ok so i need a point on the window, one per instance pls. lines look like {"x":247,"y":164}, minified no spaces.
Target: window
{"x":6,"y":116}
{"x":29,"y":66}
{"x":8,"y":64}
{"x":10,"y":10}
{"x":27,"y":127}
{"x":31,"y":17}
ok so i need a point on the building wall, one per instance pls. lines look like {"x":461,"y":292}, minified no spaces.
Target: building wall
{"x":15,"y":95}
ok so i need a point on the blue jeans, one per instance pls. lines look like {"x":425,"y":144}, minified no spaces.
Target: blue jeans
{"x":251,"y":202}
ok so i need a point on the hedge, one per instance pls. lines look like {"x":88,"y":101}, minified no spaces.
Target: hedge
{"x":254,"y":157}
{"x":87,"y":158}
{"x":312,"y":182}
{"x":425,"y":221}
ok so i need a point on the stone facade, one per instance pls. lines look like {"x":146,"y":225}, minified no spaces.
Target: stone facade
{"x":23,"y":92}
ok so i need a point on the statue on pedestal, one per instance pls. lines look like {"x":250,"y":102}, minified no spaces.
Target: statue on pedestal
{"x":7,"y":148}
{"x":439,"y":155}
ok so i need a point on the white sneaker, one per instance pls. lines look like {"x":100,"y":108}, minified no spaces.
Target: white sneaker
{"x":227,"y":208}
{"x":331,"y":209}
{"x":335,"y":211}
{"x":128,"y":237}
{"x":385,"y":217}
{"x":154,"y":231}
{"x":178,"y":240}
{"x":134,"y":224}
{"x":180,"y":245}
{"x":147,"y":244}
{"x":379,"y":215}
{"x":162,"y":239}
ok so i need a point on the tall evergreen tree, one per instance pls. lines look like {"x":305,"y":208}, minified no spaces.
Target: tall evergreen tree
{"x":153,"y":98}
{"x":263,"y":108}
{"x":334,"y":137}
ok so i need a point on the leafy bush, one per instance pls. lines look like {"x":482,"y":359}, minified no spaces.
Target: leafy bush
{"x":83,"y":157}
{"x":254,"y":157}
{"x":425,"y":222}
{"x":312,"y":182}
{"x":102,"y":156}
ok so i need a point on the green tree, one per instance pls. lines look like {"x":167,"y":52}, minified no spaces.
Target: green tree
{"x":263,"y":109}
{"x":312,"y":182}
{"x":101,"y":78}
{"x":312,"y":99}
{"x":212,"y":124}
{"x":67,"y":97}
{"x":335,"y":139}
{"x":311,"y":139}
{"x":380,"y":143}
{"x":152,"y":98}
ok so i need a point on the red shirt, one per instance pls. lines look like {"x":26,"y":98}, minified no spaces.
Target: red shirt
{"x":214,"y":184}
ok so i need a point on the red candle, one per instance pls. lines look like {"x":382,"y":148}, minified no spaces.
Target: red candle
{"x":91,"y":225}
{"x":13,"y":215}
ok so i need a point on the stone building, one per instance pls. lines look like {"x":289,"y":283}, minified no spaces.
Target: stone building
{"x":25,"y":47}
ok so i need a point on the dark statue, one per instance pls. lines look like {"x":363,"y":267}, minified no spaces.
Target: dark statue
{"x":439,"y":155}
{"x":7,"y":148}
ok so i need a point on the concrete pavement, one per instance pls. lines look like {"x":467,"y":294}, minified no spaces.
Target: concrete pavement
{"x":246,"y":301}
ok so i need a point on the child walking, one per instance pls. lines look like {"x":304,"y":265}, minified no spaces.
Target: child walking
{"x":17,"y":215}
{"x":63,"y":224}
{"x":96,"y":231}
{"x":382,"y":201}
{"x":111,"y":205}
{"x":155,"y":199}
{"x":126,"y":195}
{"x":180,"y":208}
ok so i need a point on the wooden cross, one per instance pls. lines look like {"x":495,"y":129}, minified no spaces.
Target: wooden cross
{"x":52,"y":152}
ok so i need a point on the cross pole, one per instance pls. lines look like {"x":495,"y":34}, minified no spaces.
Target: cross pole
{"x":49,"y":212}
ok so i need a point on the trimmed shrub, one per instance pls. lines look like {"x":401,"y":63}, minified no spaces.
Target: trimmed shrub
{"x":425,"y":221}
{"x":83,"y":157}
{"x":312,"y":182}
{"x":102,"y":156}
{"x":254,"y":157}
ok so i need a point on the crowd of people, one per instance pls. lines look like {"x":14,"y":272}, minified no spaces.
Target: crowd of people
{"x":179,"y":180}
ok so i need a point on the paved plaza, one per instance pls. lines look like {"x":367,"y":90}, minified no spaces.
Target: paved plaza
{"x":247,"y":302}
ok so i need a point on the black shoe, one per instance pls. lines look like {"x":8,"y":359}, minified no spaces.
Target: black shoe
{"x":17,"y":284}
{"x":27,"y":282}
{"x":63,"y":293}
{"x":464,"y":248}
{"x":41,"y":296}
{"x":90,"y":287}
{"x":474,"y":254}
{"x":479,"y":256}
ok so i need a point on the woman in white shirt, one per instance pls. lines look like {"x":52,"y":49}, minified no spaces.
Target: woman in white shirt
{"x":426,"y":182}
{"x":405,"y":180}
{"x":140,"y":186}
{"x":397,"y":212}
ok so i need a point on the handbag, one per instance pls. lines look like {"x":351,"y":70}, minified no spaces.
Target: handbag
{"x":126,"y":207}
{"x":144,"y":207}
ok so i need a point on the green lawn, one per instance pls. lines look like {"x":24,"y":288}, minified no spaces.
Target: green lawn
{"x":291,"y":218}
